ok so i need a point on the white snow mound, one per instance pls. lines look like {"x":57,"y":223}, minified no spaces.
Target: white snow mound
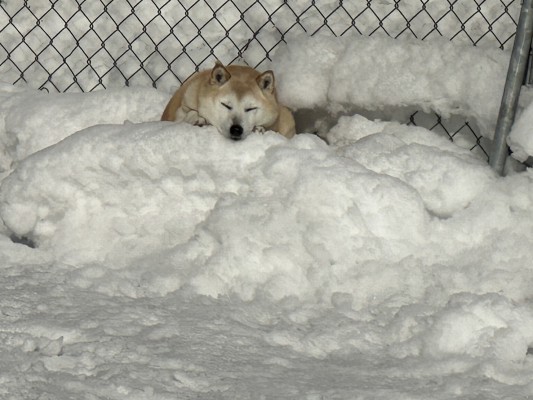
{"x":380,"y":73}
{"x":31,"y":120}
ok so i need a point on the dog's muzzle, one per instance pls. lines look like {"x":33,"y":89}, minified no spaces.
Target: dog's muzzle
{"x":235,"y":132}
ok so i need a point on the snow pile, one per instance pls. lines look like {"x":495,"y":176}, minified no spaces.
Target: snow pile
{"x":447,"y":179}
{"x":110,"y":194}
{"x":347,"y":226}
{"x":22,"y":131}
{"x":376,"y":74}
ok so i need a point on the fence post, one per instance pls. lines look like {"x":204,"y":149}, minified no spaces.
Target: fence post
{"x":513,"y":84}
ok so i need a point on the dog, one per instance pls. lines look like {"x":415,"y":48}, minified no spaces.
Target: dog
{"x":236,"y":99}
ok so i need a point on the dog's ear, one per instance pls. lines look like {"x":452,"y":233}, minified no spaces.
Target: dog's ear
{"x":266,"y":81}
{"x":219,"y":74}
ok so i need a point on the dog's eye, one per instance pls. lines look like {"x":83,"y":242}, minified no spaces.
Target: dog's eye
{"x":250,"y":109}
{"x":227,"y":106}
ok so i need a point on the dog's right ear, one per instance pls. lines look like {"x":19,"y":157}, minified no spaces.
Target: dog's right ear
{"x":219,"y":74}
{"x":266,"y":81}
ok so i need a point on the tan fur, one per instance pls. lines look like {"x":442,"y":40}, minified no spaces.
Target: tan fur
{"x":202,"y":98}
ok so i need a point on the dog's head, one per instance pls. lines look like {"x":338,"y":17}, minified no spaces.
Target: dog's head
{"x":239,"y":100}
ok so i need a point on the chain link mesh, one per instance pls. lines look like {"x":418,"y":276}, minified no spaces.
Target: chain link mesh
{"x":83,"y":45}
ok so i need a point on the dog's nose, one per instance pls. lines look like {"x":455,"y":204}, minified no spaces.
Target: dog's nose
{"x":235,"y":132}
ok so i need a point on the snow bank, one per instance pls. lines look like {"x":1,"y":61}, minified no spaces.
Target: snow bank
{"x":22,"y":131}
{"x":351,"y":226}
{"x":379,"y":73}
{"x":133,"y":189}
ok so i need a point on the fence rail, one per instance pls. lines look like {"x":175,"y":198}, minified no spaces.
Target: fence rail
{"x":83,"y":45}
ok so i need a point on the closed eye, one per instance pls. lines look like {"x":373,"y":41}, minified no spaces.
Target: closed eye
{"x":227,"y":106}
{"x":250,"y":109}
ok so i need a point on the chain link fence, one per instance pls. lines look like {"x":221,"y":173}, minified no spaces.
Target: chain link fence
{"x":83,"y":45}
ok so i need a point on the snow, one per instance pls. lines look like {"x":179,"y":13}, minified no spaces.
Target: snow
{"x":521,"y":136}
{"x":23,"y":113}
{"x":442,"y":77}
{"x":170,"y":262}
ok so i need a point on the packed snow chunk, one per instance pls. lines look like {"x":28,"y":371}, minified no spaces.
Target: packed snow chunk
{"x":520,"y":138}
{"x":480,"y":326}
{"x":377,"y":73}
{"x":446,"y":176}
{"x":39,"y":120}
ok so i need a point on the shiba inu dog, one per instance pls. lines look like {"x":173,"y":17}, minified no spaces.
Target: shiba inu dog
{"x":236,"y":99}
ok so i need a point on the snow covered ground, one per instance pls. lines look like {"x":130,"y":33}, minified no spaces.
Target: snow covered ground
{"x":169,"y":262}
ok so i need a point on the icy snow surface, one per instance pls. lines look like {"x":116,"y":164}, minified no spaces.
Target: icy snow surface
{"x":173,"y":263}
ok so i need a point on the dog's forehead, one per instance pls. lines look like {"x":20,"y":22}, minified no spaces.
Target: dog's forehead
{"x":243,"y":88}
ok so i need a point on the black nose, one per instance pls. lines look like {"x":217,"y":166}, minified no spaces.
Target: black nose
{"x":235,"y":132}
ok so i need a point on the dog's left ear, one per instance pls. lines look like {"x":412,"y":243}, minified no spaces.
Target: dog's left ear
{"x":219,"y":74}
{"x":266,"y":81}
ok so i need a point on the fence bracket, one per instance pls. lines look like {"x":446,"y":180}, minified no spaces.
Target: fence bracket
{"x":513,"y":84}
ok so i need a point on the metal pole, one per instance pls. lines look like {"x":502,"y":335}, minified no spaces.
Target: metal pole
{"x":528,"y":80}
{"x":513,"y":84}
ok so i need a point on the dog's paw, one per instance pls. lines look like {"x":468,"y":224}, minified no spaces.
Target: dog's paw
{"x":192,"y":117}
{"x":259,"y":129}
{"x":201,"y":121}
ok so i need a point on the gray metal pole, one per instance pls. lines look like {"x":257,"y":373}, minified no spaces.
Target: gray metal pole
{"x":528,"y":81}
{"x":513,"y":84}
